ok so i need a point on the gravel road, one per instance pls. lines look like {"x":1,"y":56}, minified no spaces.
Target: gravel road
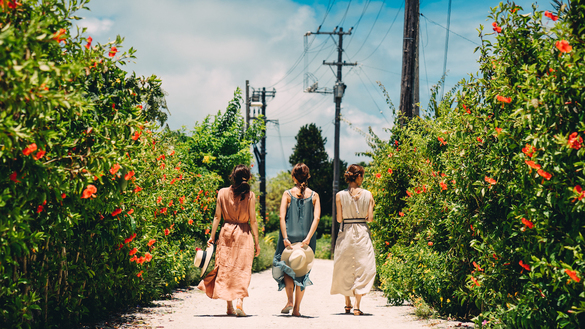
{"x":193,"y":309}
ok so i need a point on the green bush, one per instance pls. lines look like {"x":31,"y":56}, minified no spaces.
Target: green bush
{"x":323,"y":247}
{"x":488,"y":192}
{"x":264,"y":261}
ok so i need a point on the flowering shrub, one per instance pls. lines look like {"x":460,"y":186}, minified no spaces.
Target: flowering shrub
{"x":488,"y":196}
{"x":98,"y":211}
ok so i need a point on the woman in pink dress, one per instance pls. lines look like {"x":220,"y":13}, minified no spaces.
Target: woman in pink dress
{"x":230,"y":278}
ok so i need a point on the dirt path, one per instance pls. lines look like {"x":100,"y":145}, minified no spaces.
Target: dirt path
{"x":193,"y":309}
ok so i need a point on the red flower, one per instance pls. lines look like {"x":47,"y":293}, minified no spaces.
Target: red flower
{"x":504,"y":99}
{"x":113,"y":51}
{"x":190,"y":222}
{"x":173,"y":181}
{"x":475,"y":281}
{"x":89,"y":40}
{"x":389,"y":171}
{"x":401,"y":214}
{"x":137,"y":189}
{"x":130,"y":212}
{"x":162,"y":157}
{"x":151,"y":242}
{"x":479,"y":140}
{"x":140,"y":260}
{"x":171,"y":203}
{"x":89,"y":192}
{"x":527,"y":223}
{"x":114,"y":169}
{"x":116,"y":212}
{"x":29,"y":149}
{"x":430,"y":243}
{"x":206,"y":231}
{"x":39,"y":209}
{"x":133,"y":258}
{"x":167,"y":231}
{"x":13,"y":177}
{"x":387,"y":243}
{"x":496,"y":27}
{"x":163,"y":210}
{"x":63,"y":195}
{"x":580,"y":191}
{"x":551,"y":15}
{"x":139,"y":274}
{"x":443,"y":186}
{"x":477,"y":267}
{"x":490,"y":180}
{"x":524,"y":265}
{"x":532,"y":164}
{"x":528,"y":150}
{"x":129,"y":175}
{"x":39,"y":154}
{"x":564,"y":46}
{"x":442,"y":140}
{"x":573,"y":275}
{"x":575,"y":141}
{"x":182,"y":200}
{"x":130,"y":238}
{"x":12,"y":4}
{"x":378,"y":175}
{"x":544,"y":174}
{"x":408,"y":193}
{"x":133,"y":251}
{"x":466,"y":109}
{"x":205,"y":208}
{"x":136,"y":135}
{"x":148,"y":257}
{"x":159,"y":199}
{"x":60,"y":35}
{"x":172,"y":153}
{"x":498,"y":130}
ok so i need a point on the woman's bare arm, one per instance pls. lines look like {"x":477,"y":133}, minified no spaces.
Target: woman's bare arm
{"x":316,"y":218}
{"x":338,"y":205}
{"x":216,"y":220}
{"x":370,"y":217}
{"x":283,"y":206}
{"x":254,"y":222}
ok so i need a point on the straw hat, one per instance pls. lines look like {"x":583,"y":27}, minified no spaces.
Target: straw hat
{"x":202,"y":258}
{"x":299,"y":258}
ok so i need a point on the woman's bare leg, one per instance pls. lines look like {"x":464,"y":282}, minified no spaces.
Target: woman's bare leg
{"x":289,"y":288}
{"x":230,"y":308}
{"x":358,"y":299}
{"x":347,"y":301}
{"x":298,"y":298}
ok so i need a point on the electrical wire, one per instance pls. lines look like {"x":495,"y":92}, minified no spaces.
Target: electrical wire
{"x":384,"y":38}
{"x":425,"y":63}
{"x":372,"y":97}
{"x":344,"y":15}
{"x":446,"y":49}
{"x":377,"y":68}
{"x":357,"y":24}
{"x":374,"y":24}
{"x":450,"y":31}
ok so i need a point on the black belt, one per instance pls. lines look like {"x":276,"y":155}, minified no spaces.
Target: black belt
{"x":352,"y":221}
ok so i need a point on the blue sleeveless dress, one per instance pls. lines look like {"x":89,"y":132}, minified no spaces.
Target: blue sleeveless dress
{"x":299,"y":218}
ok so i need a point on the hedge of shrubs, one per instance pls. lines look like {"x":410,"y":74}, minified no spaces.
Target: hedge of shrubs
{"x":99,"y":211}
{"x":480,"y":207}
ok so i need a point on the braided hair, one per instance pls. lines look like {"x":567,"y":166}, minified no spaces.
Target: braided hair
{"x":301,"y":173}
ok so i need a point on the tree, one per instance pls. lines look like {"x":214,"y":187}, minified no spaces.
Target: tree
{"x":310,"y":150}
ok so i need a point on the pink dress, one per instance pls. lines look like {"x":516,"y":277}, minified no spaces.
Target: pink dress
{"x":231,"y":275}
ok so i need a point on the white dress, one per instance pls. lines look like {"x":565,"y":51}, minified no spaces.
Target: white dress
{"x":354,"y":266}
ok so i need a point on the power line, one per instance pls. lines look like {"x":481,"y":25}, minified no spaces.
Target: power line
{"x":377,"y":68}
{"x":367,"y":36}
{"x":384,"y":38}
{"x":449,"y":31}
{"x":372,"y":97}
{"x":355,"y":26}
{"x":344,"y":15}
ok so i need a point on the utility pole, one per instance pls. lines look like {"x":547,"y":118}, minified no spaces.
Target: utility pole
{"x":338,"y":91}
{"x":247,"y":104}
{"x":409,"y":82}
{"x":259,"y":99}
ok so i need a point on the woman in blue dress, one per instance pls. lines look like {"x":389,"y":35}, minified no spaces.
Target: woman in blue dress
{"x":300,"y":211}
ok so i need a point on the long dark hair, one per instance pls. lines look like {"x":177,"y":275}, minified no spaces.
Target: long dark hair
{"x":353,"y":172}
{"x":240,"y":176}
{"x":301,"y":173}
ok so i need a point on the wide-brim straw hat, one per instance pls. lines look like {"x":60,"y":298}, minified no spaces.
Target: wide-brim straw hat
{"x":202,"y":258}
{"x":299,"y":258}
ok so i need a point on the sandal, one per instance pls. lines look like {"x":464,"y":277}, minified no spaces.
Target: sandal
{"x":357,"y":312}
{"x":286,"y":309}
{"x":348,"y":309}
{"x":240,"y":311}
{"x":230,"y":311}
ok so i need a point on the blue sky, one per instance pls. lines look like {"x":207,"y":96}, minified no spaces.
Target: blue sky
{"x":203,"y":50}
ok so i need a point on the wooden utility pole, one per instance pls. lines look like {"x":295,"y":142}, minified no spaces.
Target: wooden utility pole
{"x":409,"y":81}
{"x":247,"y":104}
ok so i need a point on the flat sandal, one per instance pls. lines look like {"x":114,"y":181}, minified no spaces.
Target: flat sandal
{"x":357,"y":312}
{"x":348,"y":309}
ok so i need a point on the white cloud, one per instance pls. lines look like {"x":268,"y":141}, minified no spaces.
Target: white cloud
{"x":96,"y":26}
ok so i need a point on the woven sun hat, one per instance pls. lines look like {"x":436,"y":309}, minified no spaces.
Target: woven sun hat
{"x":299,"y":258}
{"x":202,"y":258}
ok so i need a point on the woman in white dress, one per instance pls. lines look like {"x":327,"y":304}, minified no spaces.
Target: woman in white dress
{"x":354,"y":267}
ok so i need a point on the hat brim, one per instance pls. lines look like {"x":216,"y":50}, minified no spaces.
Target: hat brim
{"x":309,"y":257}
{"x":208,"y":256}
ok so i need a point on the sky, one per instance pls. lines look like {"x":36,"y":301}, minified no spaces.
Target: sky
{"x":204,"y":50}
